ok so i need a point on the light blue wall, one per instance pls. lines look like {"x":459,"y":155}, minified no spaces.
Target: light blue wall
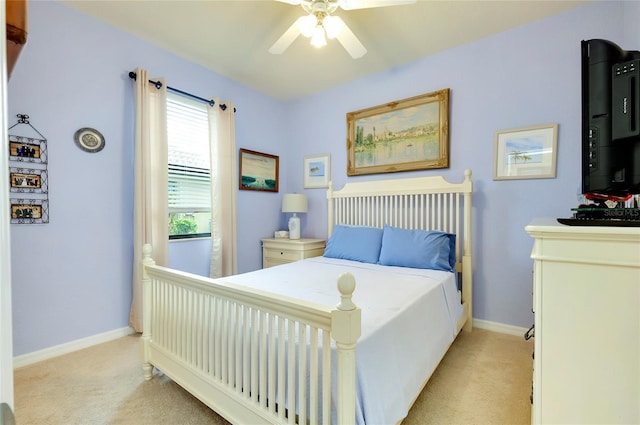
{"x":523,"y":77}
{"x":631,"y":27}
{"x":71,"y":277}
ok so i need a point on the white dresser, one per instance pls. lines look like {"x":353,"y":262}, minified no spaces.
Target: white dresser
{"x":586,"y":299}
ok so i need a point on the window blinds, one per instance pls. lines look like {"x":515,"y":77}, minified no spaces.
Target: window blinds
{"x":189,"y":158}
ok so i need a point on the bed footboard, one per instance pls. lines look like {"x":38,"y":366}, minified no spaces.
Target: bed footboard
{"x":249,"y":355}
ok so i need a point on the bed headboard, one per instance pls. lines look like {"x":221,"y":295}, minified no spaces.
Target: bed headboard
{"x":427,"y":203}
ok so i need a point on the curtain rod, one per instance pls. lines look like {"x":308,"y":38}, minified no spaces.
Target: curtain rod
{"x":158,"y":85}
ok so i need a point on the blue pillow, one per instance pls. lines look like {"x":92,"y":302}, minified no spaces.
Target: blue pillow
{"x":357,"y":243}
{"x":420,"y":249}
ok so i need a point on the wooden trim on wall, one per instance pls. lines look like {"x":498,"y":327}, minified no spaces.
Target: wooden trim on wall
{"x":16,"y":16}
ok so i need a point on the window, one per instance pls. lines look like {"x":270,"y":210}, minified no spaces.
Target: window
{"x":189,"y":168}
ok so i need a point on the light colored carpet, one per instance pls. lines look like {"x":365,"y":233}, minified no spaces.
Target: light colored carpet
{"x":485,"y":378}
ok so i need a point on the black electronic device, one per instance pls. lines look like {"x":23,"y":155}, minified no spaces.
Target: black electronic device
{"x":597,"y":222}
{"x":587,"y":213}
{"x":610,"y":118}
{"x":602,"y":216}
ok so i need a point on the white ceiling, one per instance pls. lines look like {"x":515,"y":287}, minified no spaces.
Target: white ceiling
{"x":232,"y":37}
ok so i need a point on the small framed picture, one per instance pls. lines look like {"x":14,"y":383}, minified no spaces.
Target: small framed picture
{"x":258,"y":171}
{"x":317,"y":171}
{"x":27,"y":149}
{"x":29,"y":211}
{"x":526,"y":153}
{"x":27,"y":180}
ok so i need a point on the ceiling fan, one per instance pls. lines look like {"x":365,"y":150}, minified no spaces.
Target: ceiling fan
{"x":320,"y":22}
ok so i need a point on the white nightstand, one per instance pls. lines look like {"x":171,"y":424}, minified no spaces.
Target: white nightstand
{"x":281,"y":251}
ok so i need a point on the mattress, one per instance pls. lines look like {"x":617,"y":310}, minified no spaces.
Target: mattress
{"x":409,"y":319}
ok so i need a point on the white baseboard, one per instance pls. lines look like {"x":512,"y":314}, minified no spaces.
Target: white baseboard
{"x":499,"y":327}
{"x":58,"y":350}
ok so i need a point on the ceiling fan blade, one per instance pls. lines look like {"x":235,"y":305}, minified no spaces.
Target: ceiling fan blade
{"x":350,"y":42}
{"x":366,"y":4}
{"x":286,"y":39}
{"x":294,"y":2}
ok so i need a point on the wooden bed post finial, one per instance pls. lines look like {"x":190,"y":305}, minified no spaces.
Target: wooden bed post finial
{"x":346,"y":327}
{"x":346,"y":286}
{"x":146,"y":252}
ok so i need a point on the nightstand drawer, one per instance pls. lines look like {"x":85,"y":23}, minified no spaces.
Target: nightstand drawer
{"x":277,"y":254}
{"x":270,"y":262}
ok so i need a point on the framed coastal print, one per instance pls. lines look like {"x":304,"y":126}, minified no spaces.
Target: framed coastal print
{"x":317,"y":171}
{"x":258,"y":171}
{"x":526,"y":153}
{"x":405,"y":135}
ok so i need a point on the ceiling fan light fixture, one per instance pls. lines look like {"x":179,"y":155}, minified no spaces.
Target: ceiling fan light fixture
{"x":332,"y":25}
{"x":318,"y":39}
{"x":307,"y":24}
{"x":321,"y":23}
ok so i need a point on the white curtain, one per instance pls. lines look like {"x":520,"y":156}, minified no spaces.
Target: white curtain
{"x":224,"y":186}
{"x":150,"y":208}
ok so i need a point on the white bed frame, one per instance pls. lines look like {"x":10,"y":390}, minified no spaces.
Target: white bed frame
{"x":219,"y":341}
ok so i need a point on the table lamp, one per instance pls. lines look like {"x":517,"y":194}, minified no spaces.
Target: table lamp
{"x":294,"y":203}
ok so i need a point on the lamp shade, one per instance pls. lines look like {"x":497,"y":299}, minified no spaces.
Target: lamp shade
{"x":294,"y":203}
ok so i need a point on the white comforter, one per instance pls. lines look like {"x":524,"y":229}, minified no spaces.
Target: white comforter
{"x":409,"y":319}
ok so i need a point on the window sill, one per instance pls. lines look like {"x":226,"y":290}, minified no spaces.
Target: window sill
{"x":190,"y":239}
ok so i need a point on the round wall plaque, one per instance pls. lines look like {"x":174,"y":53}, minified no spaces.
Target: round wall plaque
{"x":89,"y":140}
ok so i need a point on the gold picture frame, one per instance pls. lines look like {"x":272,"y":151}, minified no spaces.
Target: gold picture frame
{"x":405,"y":135}
{"x":526,"y":153}
{"x":258,"y":171}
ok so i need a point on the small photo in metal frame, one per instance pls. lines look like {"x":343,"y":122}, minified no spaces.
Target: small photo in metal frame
{"x":29,"y":211}
{"x":27,"y":149}
{"x":89,"y":140}
{"x":28,"y":180}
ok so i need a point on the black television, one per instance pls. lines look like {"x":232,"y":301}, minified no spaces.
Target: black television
{"x":610,"y":119}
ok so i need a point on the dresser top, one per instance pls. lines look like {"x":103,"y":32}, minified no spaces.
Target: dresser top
{"x":549,"y":225}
